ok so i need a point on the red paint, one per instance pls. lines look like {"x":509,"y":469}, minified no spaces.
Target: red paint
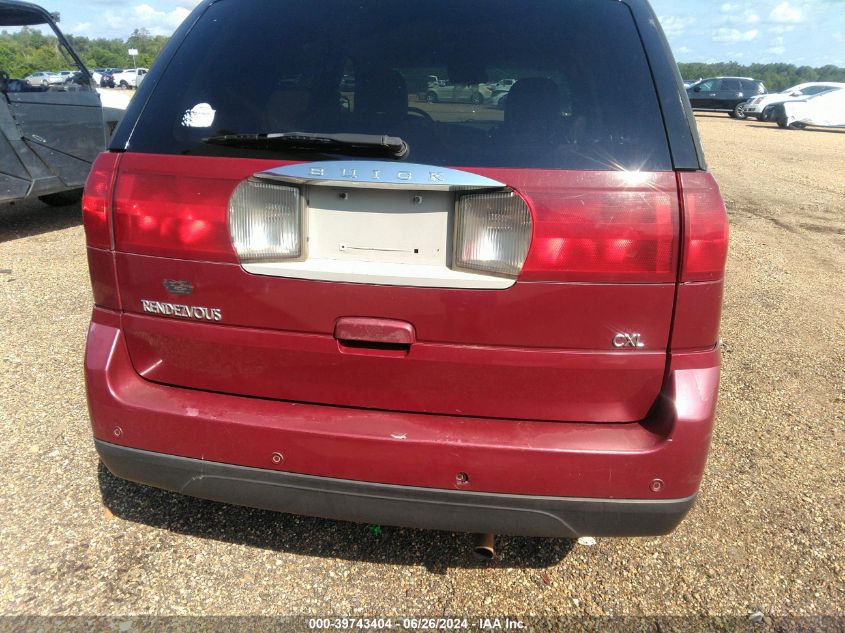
{"x":368,"y":330}
{"x":545,"y":315}
{"x":510,"y":456}
{"x":531,"y":384}
{"x":103,"y":275}
{"x":697,"y":312}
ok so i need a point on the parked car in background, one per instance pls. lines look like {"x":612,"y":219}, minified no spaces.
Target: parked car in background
{"x":724,"y":94}
{"x":128,"y":78}
{"x":51,"y":131}
{"x":758,"y":107}
{"x":40,"y":78}
{"x":107,"y":78}
{"x":499,"y":92}
{"x":499,"y":99}
{"x":826,"y":109}
{"x":78,"y":78}
{"x":309,"y":308}
{"x":502,"y":84}
{"x":447,"y":92}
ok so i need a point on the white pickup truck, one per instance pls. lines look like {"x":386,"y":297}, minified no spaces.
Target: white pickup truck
{"x":129,"y":78}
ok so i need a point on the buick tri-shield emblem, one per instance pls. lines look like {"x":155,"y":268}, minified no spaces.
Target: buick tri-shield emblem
{"x":178,"y":286}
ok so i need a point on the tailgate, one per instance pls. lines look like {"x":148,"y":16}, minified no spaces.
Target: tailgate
{"x":363,"y":320}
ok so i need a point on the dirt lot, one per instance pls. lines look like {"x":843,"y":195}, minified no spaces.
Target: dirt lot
{"x":767,"y":534}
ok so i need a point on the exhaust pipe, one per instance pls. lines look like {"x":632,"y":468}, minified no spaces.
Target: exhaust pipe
{"x":485,"y":546}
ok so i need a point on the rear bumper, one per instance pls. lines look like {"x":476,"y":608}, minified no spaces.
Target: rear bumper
{"x":524,"y":477}
{"x":386,"y":504}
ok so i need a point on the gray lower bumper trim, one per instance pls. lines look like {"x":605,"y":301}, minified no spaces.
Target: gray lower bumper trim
{"x":385,"y":504}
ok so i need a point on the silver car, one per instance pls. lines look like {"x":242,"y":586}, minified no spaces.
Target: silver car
{"x":40,"y":78}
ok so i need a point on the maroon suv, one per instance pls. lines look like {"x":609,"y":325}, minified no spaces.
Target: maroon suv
{"x":318,"y":294}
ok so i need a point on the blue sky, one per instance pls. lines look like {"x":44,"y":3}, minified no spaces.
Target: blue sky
{"x":801,"y":32}
{"x":810,"y":32}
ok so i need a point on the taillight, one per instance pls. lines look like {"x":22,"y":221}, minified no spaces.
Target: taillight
{"x":176,"y":208}
{"x":698,"y":305}
{"x":493,"y":233}
{"x":97,"y":201}
{"x":265,"y":221}
{"x":705,"y":228}
{"x":605,"y":227}
{"x":97,"y":218}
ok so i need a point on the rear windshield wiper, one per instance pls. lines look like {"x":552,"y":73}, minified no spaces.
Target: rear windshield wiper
{"x":357,"y":144}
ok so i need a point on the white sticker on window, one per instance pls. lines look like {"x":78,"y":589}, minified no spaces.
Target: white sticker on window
{"x":201,"y":115}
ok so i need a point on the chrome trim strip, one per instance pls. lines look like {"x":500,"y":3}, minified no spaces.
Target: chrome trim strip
{"x":374,"y":174}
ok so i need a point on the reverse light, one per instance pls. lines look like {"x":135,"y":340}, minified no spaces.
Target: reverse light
{"x":265,"y":221}
{"x":493,"y":233}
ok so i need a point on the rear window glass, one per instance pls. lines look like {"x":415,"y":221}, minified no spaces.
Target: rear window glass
{"x":751,"y":87}
{"x":536,"y":83}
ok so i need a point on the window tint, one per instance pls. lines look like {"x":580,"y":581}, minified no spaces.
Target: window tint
{"x":751,"y":87}
{"x":732,"y":85}
{"x":814,"y":90}
{"x":424,"y":71}
{"x":708,"y":86}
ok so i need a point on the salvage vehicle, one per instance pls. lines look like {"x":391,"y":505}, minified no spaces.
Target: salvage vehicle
{"x":50,"y":133}
{"x":468,"y":319}
{"x":759,"y":107}
{"x":826,"y":109}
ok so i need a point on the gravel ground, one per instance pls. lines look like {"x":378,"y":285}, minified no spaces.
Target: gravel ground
{"x":766,"y":535}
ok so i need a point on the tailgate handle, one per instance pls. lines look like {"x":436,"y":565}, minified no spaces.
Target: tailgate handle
{"x":376,"y":333}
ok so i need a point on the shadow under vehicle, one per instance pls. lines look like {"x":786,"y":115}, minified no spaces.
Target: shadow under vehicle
{"x":49,"y":134}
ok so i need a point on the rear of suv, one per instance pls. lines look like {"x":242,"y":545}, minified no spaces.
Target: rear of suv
{"x":725,"y":94}
{"x":317,"y":293}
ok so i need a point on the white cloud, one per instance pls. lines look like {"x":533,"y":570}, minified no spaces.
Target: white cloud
{"x":163,"y":21}
{"x":734,"y":35}
{"x":147,"y":17}
{"x":788,"y":28}
{"x":675,"y":26}
{"x":736,"y":14}
{"x":776,"y":50}
{"x":785,"y":13}
{"x":80,"y":28}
